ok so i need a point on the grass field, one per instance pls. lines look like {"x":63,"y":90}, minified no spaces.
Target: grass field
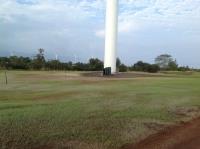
{"x":67,"y":110}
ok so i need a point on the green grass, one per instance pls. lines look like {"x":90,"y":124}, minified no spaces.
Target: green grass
{"x":62,"y":109}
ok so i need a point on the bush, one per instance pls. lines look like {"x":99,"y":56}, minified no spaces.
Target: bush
{"x":123,"y":68}
{"x":153,"y":68}
{"x":184,"y":68}
{"x":145,"y":67}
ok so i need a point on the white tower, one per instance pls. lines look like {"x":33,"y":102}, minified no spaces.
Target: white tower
{"x":111,"y":35}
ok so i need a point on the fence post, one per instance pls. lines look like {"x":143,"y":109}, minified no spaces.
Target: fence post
{"x":6,"y":78}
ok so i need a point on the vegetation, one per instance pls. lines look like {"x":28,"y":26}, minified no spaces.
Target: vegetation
{"x":39,"y":63}
{"x":120,"y":66}
{"x":163,"y":62}
{"x":146,"y":67}
{"x":166,"y":62}
{"x":65,"y":110}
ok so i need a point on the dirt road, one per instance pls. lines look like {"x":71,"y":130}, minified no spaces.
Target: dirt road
{"x":183,"y":136}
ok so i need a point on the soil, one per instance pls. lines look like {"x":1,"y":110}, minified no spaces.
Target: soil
{"x":183,"y":136}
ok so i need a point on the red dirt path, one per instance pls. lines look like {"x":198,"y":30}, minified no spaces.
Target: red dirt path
{"x":183,"y":136}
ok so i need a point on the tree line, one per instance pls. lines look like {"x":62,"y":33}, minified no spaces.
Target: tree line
{"x":163,"y":62}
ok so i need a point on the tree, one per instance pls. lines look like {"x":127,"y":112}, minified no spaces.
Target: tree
{"x":146,"y":67}
{"x":118,"y":62}
{"x":39,"y":60}
{"x":184,"y":68}
{"x":173,"y":65}
{"x":95,"y":64}
{"x":153,"y":68}
{"x":19,"y":62}
{"x":4,"y":62}
{"x":15,"y":62}
{"x":140,"y":66}
{"x":53,"y":65}
{"x":81,"y":67}
{"x":123,"y":68}
{"x":166,"y":62}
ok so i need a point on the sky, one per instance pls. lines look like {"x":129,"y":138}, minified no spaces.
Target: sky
{"x":74,"y":29}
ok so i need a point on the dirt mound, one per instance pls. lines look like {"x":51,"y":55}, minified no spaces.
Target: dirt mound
{"x":183,"y":136}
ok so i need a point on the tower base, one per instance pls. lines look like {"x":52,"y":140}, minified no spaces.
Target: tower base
{"x":107,"y":71}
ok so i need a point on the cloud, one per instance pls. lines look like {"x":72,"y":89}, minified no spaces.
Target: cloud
{"x":124,"y":27}
{"x":71,"y":25}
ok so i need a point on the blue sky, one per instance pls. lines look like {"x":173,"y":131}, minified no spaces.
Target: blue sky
{"x":75,"y":28}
